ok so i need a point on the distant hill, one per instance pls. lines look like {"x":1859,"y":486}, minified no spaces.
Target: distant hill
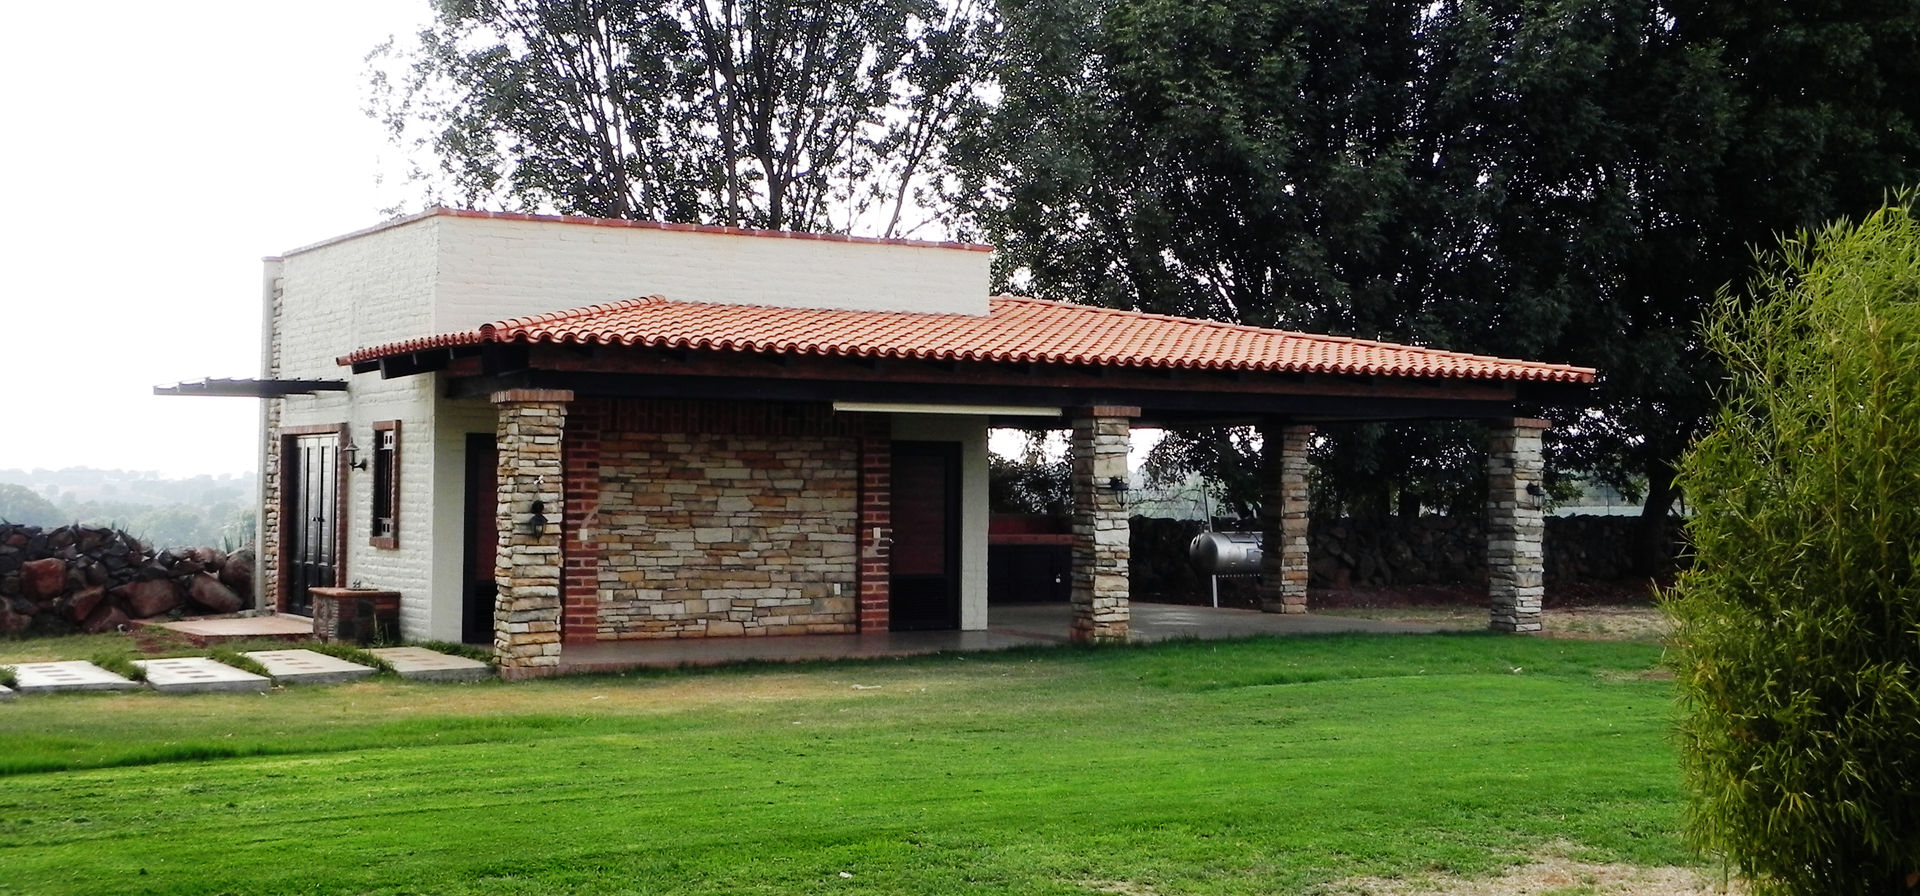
{"x":197,"y":511}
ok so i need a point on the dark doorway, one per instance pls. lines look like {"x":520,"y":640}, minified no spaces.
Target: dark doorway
{"x":925,"y":587}
{"x":481,"y":539}
{"x":312,"y":510}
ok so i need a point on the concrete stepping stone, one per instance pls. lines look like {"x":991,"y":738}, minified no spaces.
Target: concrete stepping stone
{"x":421,"y":664}
{"x":68,"y":675}
{"x":308,"y":667}
{"x":198,"y":674}
{"x":6,"y":693}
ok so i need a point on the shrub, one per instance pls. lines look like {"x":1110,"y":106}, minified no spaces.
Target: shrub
{"x":1797,"y":639}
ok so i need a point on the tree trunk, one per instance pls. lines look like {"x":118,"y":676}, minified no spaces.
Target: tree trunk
{"x":1652,"y":549}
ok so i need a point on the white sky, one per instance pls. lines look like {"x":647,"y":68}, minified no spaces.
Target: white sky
{"x":154,"y":153}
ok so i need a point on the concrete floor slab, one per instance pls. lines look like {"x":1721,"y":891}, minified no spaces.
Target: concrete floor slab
{"x":68,"y":675}
{"x":281,"y":626}
{"x":1008,"y":626}
{"x":421,"y":664}
{"x":198,"y":674}
{"x":307,"y":667}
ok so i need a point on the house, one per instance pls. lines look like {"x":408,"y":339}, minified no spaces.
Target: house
{"x":545,"y":431}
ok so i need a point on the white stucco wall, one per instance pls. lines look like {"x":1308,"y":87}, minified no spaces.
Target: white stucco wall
{"x":375,"y":288}
{"x":971,"y":434}
{"x":492,"y":269}
{"x":440,"y":273}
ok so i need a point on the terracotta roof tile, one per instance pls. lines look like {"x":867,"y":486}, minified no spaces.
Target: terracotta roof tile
{"x":1015,"y":329}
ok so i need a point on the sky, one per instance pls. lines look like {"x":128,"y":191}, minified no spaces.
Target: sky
{"x":154,"y":153}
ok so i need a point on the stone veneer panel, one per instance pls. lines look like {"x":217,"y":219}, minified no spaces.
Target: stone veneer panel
{"x":527,"y":566}
{"x":1283,"y":517}
{"x":1101,"y":530}
{"x":730,"y":528}
{"x":1515,"y":527}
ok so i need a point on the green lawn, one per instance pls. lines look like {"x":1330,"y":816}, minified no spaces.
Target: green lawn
{"x":1266,"y":766}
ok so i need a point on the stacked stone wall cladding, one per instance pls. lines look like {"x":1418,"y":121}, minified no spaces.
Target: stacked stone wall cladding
{"x":268,"y":551}
{"x":527,"y":564}
{"x":1515,"y":527}
{"x":722,"y":519}
{"x":1101,"y":548}
{"x":1283,"y":518}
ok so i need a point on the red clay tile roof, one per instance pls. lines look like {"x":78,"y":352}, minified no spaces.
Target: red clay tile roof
{"x":1015,"y":329}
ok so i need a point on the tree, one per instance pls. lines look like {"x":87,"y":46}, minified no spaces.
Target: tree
{"x":19,"y":504}
{"x":1566,"y":179}
{"x":810,"y":115}
{"x":1796,"y":657}
{"x":1386,"y":170}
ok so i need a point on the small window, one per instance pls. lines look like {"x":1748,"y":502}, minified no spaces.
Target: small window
{"x":386,"y":484}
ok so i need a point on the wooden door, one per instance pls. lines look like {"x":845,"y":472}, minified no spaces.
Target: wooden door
{"x":925,"y":586}
{"x":312,"y":511}
{"x":482,"y":538}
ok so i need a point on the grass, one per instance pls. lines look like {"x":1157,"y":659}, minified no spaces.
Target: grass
{"x":1265,"y":766}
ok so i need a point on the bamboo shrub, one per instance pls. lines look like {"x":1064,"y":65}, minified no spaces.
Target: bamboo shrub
{"x":1797,"y":629}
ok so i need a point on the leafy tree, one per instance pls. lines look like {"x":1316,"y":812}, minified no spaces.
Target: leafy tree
{"x":1031,"y":482}
{"x":1402,"y":171}
{"x":1797,"y":660}
{"x":1570,"y":179}
{"x":19,"y":504}
{"x":808,"y":115}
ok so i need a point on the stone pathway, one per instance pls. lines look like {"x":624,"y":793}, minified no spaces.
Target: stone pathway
{"x":308,"y":667}
{"x":199,"y":675}
{"x":421,"y":664}
{"x":186,"y":675}
{"x":68,"y":675}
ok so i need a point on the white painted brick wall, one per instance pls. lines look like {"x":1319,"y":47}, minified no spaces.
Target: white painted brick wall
{"x":441,"y":273}
{"x":493,"y":269}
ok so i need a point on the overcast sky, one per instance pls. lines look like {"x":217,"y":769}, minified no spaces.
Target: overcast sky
{"x":154,"y":153}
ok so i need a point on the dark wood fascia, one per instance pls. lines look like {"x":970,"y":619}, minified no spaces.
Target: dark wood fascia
{"x":1163,"y":404}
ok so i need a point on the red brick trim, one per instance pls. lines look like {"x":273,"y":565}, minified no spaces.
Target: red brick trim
{"x":558,"y":396}
{"x":876,"y":523}
{"x":391,"y":539}
{"x":579,"y":528}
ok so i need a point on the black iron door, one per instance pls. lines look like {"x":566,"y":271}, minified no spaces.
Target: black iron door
{"x":313,"y":530}
{"x":925,"y":585}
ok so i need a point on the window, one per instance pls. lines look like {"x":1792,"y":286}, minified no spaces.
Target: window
{"x":386,"y":484}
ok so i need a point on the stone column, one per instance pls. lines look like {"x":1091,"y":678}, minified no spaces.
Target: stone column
{"x":526,"y":615}
{"x":1101,"y":530}
{"x":1514,"y":526}
{"x":1283,"y":517}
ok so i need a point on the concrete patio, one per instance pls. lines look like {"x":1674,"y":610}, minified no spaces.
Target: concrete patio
{"x":1009,"y":626}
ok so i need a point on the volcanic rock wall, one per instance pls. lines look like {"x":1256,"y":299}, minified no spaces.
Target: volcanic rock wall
{"x":82,"y":578}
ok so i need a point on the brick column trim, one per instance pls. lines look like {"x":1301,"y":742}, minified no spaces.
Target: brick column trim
{"x":527,"y":566}
{"x":876,"y":525}
{"x":1283,"y":516}
{"x":1515,"y":526}
{"x":580,"y":585}
{"x":1100,"y":525}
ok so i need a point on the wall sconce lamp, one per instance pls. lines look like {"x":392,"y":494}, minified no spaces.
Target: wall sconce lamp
{"x":538,"y":522}
{"x":1116,"y":484}
{"x":1534,"y":489}
{"x":352,"y":451}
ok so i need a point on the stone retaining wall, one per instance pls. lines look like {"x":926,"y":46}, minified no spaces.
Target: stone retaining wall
{"x":92,"y":579}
